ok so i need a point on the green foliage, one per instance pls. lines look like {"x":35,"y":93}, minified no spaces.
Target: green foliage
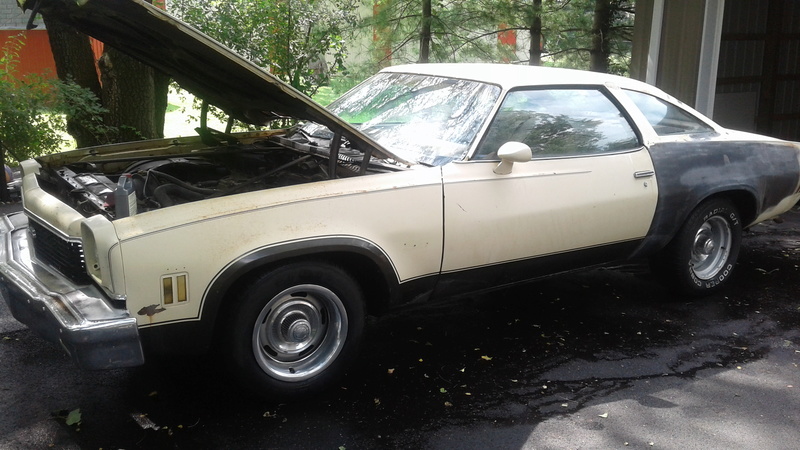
{"x":457,"y":29}
{"x":344,"y":81}
{"x":84,"y":108}
{"x":33,"y":108}
{"x":468,"y":30}
{"x":301,"y":42}
{"x":26,"y":127}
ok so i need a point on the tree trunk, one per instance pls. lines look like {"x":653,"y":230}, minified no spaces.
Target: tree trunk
{"x":128,"y":94}
{"x":135,"y":97}
{"x":600,"y":53}
{"x":74,"y":62}
{"x":160,"y":101}
{"x":5,"y":197}
{"x":535,"y":51}
{"x":425,"y":32}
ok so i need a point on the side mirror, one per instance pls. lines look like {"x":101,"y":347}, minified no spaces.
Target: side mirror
{"x":509,"y":153}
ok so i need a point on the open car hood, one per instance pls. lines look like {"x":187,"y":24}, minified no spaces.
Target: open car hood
{"x":198,"y":63}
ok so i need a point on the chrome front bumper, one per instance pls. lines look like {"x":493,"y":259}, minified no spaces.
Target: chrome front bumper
{"x":96,"y":333}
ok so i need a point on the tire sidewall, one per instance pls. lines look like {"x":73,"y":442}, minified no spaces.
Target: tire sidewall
{"x":687,"y":279}
{"x":255,"y":297}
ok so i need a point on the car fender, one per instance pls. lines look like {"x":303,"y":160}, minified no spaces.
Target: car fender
{"x":755,"y":176}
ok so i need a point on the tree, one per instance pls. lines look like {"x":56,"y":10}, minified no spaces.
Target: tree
{"x":612,"y":23}
{"x":74,"y":62}
{"x":32,"y":108}
{"x":557,"y":32}
{"x":25,"y":127}
{"x":302,"y":42}
{"x":132,"y":94}
{"x":441,"y":31}
{"x":425,"y":35}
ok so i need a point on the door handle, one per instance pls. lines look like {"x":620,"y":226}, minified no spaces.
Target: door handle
{"x":643,"y":174}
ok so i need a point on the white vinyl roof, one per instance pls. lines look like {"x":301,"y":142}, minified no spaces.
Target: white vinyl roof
{"x":508,"y":76}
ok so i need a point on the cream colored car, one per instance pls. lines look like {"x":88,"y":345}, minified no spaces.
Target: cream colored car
{"x":424,"y":181}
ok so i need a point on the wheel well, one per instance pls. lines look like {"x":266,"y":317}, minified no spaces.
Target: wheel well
{"x":744,"y":201}
{"x":365,"y":272}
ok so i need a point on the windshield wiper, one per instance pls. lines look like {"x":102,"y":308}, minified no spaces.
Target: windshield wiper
{"x":308,"y":137}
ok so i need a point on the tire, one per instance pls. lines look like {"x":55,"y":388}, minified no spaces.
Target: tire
{"x":296,"y":330}
{"x":701,"y":257}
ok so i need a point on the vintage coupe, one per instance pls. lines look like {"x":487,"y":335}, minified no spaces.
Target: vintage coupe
{"x":422,"y":182}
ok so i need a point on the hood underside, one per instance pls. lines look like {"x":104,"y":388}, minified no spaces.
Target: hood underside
{"x":198,"y":63}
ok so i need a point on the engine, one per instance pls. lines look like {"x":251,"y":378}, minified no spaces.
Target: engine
{"x":164,"y":182}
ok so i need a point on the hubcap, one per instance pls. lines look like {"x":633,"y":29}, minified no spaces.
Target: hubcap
{"x":299,"y":332}
{"x":711,"y":248}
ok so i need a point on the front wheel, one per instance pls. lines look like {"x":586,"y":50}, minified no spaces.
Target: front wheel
{"x":296,"y":329}
{"x":701,"y":257}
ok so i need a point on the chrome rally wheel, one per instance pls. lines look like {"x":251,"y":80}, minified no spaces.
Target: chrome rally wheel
{"x":702,"y":255}
{"x":294,"y":330}
{"x":300,"y":332}
{"x":712,"y":248}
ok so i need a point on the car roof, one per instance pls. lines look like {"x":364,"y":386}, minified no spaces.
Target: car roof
{"x":509,"y":76}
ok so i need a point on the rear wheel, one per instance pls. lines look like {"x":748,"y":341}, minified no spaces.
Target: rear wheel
{"x":701,"y":257}
{"x":296,"y":329}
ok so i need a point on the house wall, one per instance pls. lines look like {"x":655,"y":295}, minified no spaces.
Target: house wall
{"x":681,"y":39}
{"x":11,"y":16}
{"x":738,"y":61}
{"x":675,"y":47}
{"x":758,"y":87}
{"x":35,"y":55}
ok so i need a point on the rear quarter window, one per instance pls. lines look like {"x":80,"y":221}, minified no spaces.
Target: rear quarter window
{"x":666,"y":118}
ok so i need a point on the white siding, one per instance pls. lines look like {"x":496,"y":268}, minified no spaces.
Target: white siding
{"x":12,"y":17}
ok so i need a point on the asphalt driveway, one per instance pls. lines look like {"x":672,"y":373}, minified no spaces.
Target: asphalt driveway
{"x":602,"y":359}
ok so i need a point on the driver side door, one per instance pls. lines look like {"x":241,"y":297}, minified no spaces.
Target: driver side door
{"x":587,"y":196}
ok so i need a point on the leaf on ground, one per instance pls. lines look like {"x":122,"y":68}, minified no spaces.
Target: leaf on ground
{"x":448,"y":404}
{"x":390,"y":371}
{"x":486,"y":358}
{"x":604,"y":415}
{"x":74,"y":417}
{"x":144,"y":422}
{"x":443,"y":390}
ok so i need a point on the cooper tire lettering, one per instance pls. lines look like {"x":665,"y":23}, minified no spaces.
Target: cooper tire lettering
{"x":701,"y":257}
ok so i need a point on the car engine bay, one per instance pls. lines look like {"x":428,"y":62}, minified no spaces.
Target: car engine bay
{"x":89,"y":185}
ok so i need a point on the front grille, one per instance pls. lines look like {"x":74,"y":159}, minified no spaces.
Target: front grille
{"x":60,"y":254}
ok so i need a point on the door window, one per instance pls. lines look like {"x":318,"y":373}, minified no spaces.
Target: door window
{"x":558,"y":123}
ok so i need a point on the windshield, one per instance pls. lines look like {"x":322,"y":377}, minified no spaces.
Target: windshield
{"x":430,"y":120}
